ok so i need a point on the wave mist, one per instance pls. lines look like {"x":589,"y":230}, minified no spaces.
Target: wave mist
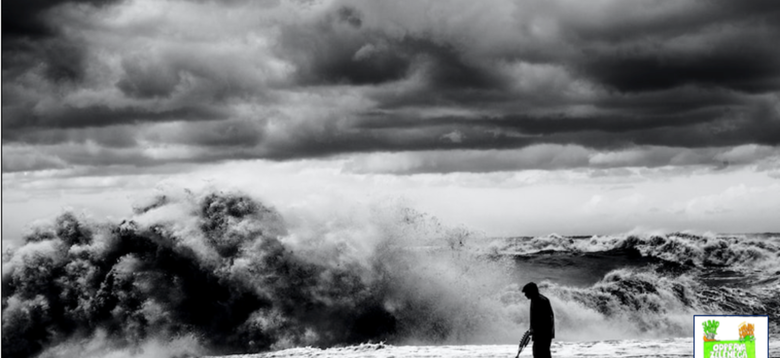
{"x":226,"y":271}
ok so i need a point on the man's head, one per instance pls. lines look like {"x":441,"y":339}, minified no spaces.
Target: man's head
{"x":531,"y":290}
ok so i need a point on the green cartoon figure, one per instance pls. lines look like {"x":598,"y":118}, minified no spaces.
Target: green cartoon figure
{"x":710,"y":329}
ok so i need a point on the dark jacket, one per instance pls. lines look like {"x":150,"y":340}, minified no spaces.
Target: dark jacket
{"x":542,"y":318}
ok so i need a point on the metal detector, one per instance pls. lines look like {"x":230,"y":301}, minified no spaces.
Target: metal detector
{"x":523,"y":342}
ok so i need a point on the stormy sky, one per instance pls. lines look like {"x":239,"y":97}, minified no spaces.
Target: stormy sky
{"x":414,"y":91}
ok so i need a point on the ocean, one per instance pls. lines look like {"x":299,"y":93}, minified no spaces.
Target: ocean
{"x":222,"y":273}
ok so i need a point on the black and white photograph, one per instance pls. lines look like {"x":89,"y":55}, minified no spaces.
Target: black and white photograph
{"x":389,"y":178}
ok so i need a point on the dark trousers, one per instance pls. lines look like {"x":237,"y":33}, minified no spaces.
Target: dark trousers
{"x":541,"y":347}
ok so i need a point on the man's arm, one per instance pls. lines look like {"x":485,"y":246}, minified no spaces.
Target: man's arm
{"x":552,"y":319}
{"x":531,"y":317}
{"x":549,"y":308}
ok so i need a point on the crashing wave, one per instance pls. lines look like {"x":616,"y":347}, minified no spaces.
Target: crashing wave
{"x":228,"y":269}
{"x":682,"y":248}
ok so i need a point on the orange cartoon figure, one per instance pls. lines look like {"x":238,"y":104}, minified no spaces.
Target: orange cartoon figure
{"x":746,"y":332}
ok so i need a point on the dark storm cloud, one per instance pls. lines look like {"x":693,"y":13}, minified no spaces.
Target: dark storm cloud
{"x":338,"y":50}
{"x":757,"y":123}
{"x":290,"y":80}
{"x":63,"y":60}
{"x":709,"y":44}
{"x":620,"y":21}
{"x":31,"y":37}
{"x":100,"y":116}
{"x":120,"y":136}
{"x":148,"y":82}
{"x":747,"y":65}
{"x":232,"y":133}
{"x":731,"y":47}
{"x":27,"y":18}
{"x":333,"y":50}
{"x":680,"y":120}
{"x":547,"y":125}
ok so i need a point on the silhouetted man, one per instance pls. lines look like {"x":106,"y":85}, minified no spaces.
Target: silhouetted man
{"x":542,"y":321}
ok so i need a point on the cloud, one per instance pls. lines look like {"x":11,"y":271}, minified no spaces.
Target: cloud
{"x":99,"y":116}
{"x":30,"y":18}
{"x":725,"y":202}
{"x":555,"y":156}
{"x":273,"y":80}
{"x":33,"y":35}
{"x":454,"y":137}
{"x":713,"y":51}
{"x":338,"y":50}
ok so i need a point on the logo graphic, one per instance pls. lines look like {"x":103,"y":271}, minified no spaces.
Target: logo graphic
{"x":731,"y":337}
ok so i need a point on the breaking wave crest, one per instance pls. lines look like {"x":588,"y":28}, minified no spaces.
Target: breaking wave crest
{"x":228,"y":270}
{"x":640,"y":303}
{"x":682,"y":248}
